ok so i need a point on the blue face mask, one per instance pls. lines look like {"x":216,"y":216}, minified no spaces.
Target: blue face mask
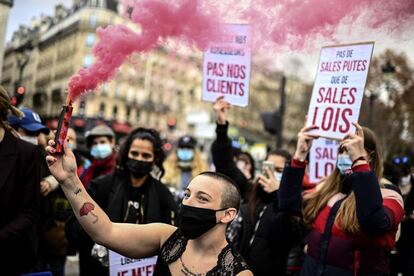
{"x":101,"y":151}
{"x":344,"y":163}
{"x":72,"y":146}
{"x":278,"y":176}
{"x":185,"y":154}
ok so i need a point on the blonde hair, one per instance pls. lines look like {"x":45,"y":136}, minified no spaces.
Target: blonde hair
{"x":172,"y":175}
{"x":315,"y":201}
{"x":6,"y":107}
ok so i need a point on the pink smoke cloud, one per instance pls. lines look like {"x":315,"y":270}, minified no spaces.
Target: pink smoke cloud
{"x":158,"y":20}
{"x":297,"y":24}
{"x":277,"y":25}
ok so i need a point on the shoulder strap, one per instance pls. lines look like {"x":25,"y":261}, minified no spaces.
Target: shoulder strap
{"x":257,"y":225}
{"x":393,"y":187}
{"x":327,"y":236}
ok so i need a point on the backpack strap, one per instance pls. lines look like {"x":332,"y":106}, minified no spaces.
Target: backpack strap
{"x":393,"y":187}
{"x":327,"y":236}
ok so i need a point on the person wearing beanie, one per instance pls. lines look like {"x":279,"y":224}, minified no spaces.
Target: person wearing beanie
{"x":101,"y":142}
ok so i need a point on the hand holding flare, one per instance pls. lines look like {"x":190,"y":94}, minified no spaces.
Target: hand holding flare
{"x":63,"y":125}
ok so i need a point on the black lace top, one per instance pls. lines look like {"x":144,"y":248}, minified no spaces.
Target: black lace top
{"x":229,"y":262}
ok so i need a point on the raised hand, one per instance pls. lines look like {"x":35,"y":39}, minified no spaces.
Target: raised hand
{"x":62,"y":166}
{"x":221,"y":107}
{"x":353,"y":143}
{"x":269,"y":182}
{"x":304,"y":144}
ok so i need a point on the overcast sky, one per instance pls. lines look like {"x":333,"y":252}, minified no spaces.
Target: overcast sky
{"x":23,"y":11}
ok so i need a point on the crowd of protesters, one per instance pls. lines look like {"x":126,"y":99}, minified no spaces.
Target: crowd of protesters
{"x":231,"y":217}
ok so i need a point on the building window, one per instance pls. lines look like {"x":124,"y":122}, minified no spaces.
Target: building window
{"x":56,"y":96}
{"x":90,"y":39}
{"x":39,"y":99}
{"x":102,"y":110}
{"x":105,"y":90}
{"x":115,"y":112}
{"x":93,"y":20}
{"x":138,"y":113}
{"x":82,"y":106}
{"x":118,"y":90}
{"x":128,"y":112}
{"x":87,"y":61}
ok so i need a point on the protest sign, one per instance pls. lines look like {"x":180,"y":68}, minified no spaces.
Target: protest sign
{"x":339,"y":88}
{"x":122,"y":266}
{"x":226,"y":66}
{"x":322,"y":158}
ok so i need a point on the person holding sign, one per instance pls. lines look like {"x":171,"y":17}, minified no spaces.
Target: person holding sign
{"x":197,"y":247}
{"x":353,"y":218}
{"x":338,"y":89}
{"x":261,"y":233}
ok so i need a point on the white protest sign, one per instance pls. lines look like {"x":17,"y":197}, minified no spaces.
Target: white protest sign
{"x":226,"y":66}
{"x":123,"y":266}
{"x":322,"y":158}
{"x":339,"y":88}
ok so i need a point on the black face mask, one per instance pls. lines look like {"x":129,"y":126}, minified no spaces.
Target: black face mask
{"x":194,"y":222}
{"x":139,"y":168}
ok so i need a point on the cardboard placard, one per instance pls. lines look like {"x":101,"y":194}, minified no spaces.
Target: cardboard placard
{"x":123,"y":266}
{"x":226,"y":66}
{"x":339,"y":88}
{"x":322,"y":159}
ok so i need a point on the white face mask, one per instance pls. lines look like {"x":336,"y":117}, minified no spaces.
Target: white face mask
{"x":30,"y":139}
{"x":405,"y":180}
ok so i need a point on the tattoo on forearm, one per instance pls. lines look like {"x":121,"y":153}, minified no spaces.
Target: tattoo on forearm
{"x":87,"y":208}
{"x":78,"y":191}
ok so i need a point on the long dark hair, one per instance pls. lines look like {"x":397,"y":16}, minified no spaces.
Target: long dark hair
{"x":239,"y":153}
{"x":150,"y":135}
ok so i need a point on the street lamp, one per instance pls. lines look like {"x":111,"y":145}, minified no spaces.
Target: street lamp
{"x":273,"y":121}
{"x":387,"y":69}
{"x":282,"y":107}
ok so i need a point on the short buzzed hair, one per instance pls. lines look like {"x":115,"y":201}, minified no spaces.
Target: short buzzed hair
{"x":231,"y":196}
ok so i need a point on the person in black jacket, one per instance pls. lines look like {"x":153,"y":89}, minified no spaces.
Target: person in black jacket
{"x":19,"y":196}
{"x":240,"y":170}
{"x":405,"y":244}
{"x":130,"y":194}
{"x":262,"y":234}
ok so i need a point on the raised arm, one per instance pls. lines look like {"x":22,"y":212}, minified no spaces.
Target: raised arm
{"x":132,"y":240}
{"x":290,"y":192}
{"x":378,"y":211}
{"x":222,"y":151}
